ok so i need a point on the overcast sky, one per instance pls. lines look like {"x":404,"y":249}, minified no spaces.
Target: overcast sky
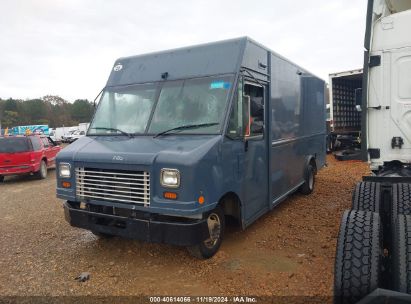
{"x":68,"y":47}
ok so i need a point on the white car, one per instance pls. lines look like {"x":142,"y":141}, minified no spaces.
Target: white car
{"x":75,"y":135}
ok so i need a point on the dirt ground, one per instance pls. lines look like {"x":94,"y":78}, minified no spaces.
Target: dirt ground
{"x":289,"y":251}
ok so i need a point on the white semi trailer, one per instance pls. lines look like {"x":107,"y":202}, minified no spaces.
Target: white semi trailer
{"x":374,"y":244}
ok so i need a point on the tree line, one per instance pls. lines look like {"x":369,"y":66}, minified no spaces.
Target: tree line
{"x":48,"y":110}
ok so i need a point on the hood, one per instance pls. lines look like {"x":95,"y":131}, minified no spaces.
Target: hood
{"x":141,"y":150}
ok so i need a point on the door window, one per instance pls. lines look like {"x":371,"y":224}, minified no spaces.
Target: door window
{"x":248,"y":101}
{"x":256,"y":110}
{"x":45,"y":142}
{"x":35,"y":143}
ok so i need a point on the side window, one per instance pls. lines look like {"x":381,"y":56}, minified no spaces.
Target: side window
{"x":256,"y":94}
{"x":35,"y":141}
{"x":45,"y":142}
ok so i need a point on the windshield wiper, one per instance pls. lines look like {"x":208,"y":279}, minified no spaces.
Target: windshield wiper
{"x":113,"y":129}
{"x":187,"y":127}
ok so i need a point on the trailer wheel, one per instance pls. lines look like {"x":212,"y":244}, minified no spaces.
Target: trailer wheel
{"x":209,"y":247}
{"x":366,"y":197}
{"x":358,"y":258}
{"x":401,"y":254}
{"x":401,"y":200}
{"x":309,"y":182}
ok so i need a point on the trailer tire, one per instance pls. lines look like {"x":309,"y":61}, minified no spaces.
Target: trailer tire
{"x":209,"y":247}
{"x":309,"y":180}
{"x":401,"y":254}
{"x":401,"y":201}
{"x":358,"y":258}
{"x":367,"y":197}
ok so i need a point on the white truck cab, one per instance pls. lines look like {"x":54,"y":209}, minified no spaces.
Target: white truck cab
{"x":388,"y":84}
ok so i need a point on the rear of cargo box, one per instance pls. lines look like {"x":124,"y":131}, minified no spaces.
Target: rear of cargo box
{"x":345,"y":119}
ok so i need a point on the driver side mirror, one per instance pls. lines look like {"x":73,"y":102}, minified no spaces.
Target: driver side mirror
{"x":358,"y":99}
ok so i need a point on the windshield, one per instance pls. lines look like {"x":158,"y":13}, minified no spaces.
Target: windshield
{"x":14,"y":144}
{"x":155,"y":108}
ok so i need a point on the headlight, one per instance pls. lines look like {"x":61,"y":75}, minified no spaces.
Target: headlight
{"x":64,"y":170}
{"x":170,"y":178}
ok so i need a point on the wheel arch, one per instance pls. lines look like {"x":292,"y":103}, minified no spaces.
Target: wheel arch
{"x":231,"y":204}
{"x":311,"y":160}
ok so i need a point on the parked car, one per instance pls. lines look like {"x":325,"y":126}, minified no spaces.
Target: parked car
{"x":74,"y":136}
{"x":66,"y":135}
{"x":32,"y":154}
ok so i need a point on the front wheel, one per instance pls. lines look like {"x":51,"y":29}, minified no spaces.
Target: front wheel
{"x":42,"y":173}
{"x":209,"y":247}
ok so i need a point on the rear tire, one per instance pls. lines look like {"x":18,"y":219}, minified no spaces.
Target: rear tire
{"x":358,"y":258}
{"x":1,"y":178}
{"x":366,"y":197}
{"x":401,"y":201}
{"x":401,"y":254}
{"x":42,"y":173}
{"x":308,"y":186}
{"x":209,"y":247}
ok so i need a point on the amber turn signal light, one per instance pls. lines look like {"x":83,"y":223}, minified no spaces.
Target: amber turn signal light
{"x":170,"y":195}
{"x":201,"y":199}
{"x":66,"y":184}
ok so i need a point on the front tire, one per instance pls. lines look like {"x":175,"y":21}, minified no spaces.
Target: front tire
{"x":209,"y":247}
{"x":42,"y":173}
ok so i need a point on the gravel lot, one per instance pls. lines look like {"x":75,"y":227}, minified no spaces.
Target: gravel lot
{"x":289,"y":251}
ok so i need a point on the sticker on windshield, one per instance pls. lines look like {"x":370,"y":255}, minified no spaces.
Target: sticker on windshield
{"x":219,"y":85}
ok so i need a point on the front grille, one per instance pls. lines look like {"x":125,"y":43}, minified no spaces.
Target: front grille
{"x":113,"y":185}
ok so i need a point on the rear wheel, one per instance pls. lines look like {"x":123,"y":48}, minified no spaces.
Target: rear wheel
{"x":366,"y":197}
{"x":358,"y":260}
{"x":42,"y":173}
{"x":401,"y":256}
{"x":1,"y":178}
{"x":309,"y":182}
{"x":401,"y":200}
{"x":209,"y":247}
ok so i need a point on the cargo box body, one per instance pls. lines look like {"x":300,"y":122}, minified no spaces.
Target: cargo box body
{"x":343,"y":113}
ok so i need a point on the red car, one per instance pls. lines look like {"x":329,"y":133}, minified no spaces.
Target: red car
{"x":32,"y":154}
